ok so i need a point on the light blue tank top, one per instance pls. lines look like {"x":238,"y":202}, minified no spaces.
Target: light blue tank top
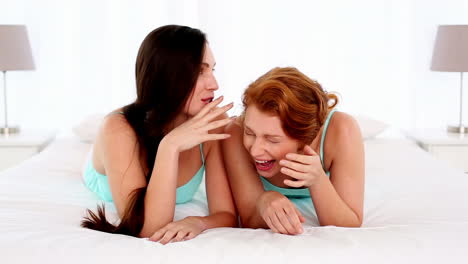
{"x":300,"y":192}
{"x":99,"y":183}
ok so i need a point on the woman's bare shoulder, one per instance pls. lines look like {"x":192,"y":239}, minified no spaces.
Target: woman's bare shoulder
{"x":234,"y":128}
{"x":343,"y":133}
{"x":115,"y":136}
{"x":116,"y":123}
{"x":115,"y":128}
{"x":343,"y":125}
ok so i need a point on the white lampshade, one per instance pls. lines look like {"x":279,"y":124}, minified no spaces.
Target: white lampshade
{"x":451,"y":49}
{"x":15,"y":51}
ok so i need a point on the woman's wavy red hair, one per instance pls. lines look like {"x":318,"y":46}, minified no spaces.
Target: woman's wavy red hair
{"x":300,"y":102}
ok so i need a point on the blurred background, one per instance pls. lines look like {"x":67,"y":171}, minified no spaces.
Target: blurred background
{"x":375,"y":53}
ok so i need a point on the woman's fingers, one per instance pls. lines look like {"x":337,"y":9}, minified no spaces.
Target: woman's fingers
{"x":180,"y":236}
{"x":300,"y":158}
{"x":209,"y":137}
{"x":294,"y":219}
{"x":270,"y":224}
{"x":285,"y":222}
{"x":294,"y":184}
{"x":299,"y":214}
{"x":168,"y":236}
{"x":158,"y":234}
{"x":299,"y":167}
{"x":216,"y":112}
{"x":207,"y":108}
{"x":217,"y":123}
{"x":282,"y":216}
{"x":296,"y":175}
{"x":189,"y":236}
{"x":277,"y":224}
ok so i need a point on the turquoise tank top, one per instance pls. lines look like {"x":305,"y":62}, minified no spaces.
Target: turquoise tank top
{"x":99,"y":184}
{"x":300,"y":192}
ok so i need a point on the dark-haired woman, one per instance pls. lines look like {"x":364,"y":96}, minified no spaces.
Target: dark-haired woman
{"x":291,"y":143}
{"x":152,"y":154}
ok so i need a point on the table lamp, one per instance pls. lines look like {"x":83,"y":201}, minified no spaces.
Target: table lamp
{"x":451,"y":55}
{"x":15,"y":55}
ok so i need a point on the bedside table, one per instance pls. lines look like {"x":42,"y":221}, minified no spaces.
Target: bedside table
{"x":15,"y":148}
{"x":450,"y":147}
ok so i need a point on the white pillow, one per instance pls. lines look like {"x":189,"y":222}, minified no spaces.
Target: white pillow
{"x":87,"y":129}
{"x":370,"y":128}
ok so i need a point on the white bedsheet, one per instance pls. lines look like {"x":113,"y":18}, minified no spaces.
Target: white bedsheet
{"x":416,"y":211}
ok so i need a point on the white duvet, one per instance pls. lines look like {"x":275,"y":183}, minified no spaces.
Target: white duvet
{"x":416,"y":211}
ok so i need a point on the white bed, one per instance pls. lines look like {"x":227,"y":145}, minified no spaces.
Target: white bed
{"x":416,"y":211}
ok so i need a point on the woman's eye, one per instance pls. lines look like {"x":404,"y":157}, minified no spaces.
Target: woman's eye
{"x":248,"y":133}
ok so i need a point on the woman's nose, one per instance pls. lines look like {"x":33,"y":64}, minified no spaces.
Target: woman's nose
{"x":212,"y":83}
{"x":256,"y":150}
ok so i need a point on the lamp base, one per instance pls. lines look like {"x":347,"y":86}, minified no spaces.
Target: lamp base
{"x":457,"y":129}
{"x":9,"y":130}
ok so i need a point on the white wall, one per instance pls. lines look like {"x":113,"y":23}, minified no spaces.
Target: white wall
{"x":350,"y":47}
{"x":85,"y":53}
{"x":375,"y":53}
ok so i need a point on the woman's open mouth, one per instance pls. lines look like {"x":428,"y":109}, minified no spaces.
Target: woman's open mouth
{"x":264,"y":165}
{"x":207,"y":100}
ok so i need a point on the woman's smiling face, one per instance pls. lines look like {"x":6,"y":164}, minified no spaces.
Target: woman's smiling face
{"x":266,"y":141}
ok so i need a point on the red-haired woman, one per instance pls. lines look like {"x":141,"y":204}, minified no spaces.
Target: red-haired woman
{"x":290,"y":142}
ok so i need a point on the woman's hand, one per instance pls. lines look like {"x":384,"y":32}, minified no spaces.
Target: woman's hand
{"x":195,"y":130}
{"x":280,"y":214}
{"x":181,"y":230}
{"x":306,"y":168}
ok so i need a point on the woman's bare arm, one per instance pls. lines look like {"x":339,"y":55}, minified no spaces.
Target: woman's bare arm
{"x":245,"y":183}
{"x":339,"y":200}
{"x":220,"y":202}
{"x":123,"y":167}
